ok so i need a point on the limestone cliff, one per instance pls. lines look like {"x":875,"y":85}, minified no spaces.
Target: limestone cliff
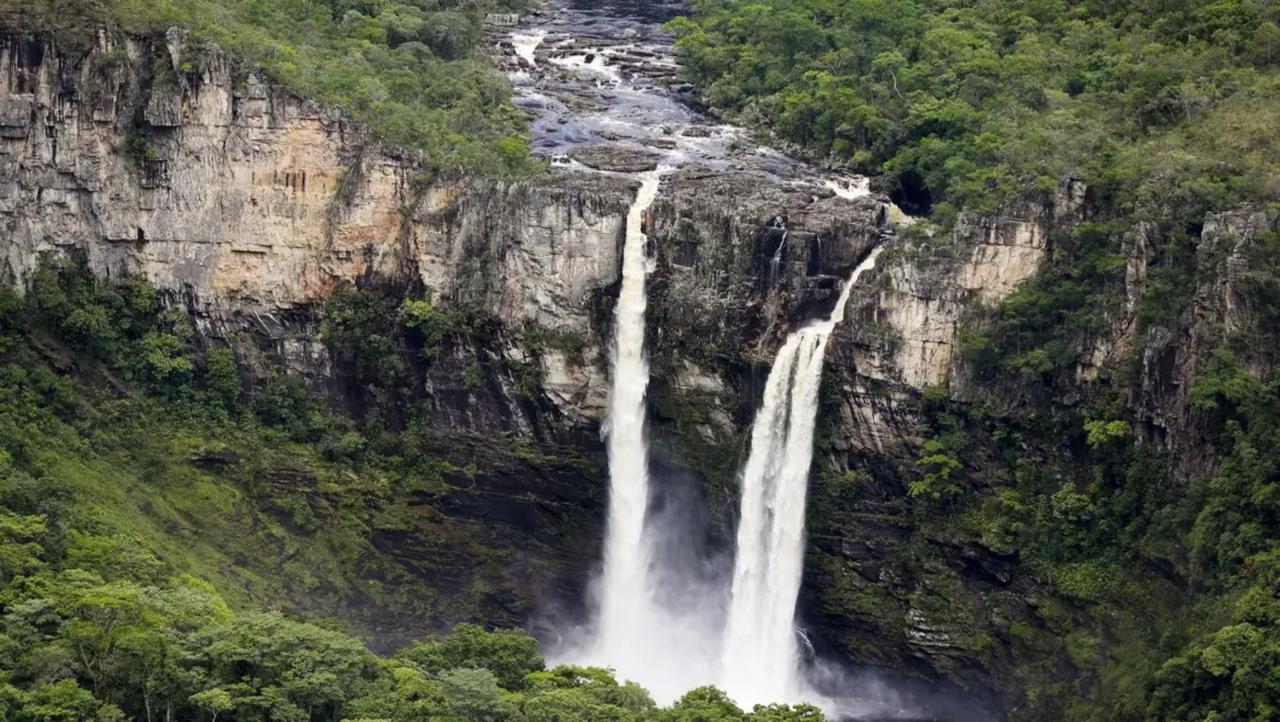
{"x":250,"y":206}
{"x":164,"y":159}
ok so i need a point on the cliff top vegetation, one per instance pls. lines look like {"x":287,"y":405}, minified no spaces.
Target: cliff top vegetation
{"x":969,"y":103}
{"x":415,"y":71}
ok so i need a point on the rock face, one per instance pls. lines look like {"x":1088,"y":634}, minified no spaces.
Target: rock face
{"x":1174,"y":356}
{"x":255,"y":205}
{"x":251,"y":207}
{"x":175,"y":173}
{"x":734,"y":276}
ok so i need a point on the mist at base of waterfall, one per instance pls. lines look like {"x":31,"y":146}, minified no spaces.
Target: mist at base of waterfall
{"x":677,"y":645}
{"x":698,"y":561}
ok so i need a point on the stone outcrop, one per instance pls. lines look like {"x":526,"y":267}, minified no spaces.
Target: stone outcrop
{"x":1171,"y":357}
{"x":254,"y":205}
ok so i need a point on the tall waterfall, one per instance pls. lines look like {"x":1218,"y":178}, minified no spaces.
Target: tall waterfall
{"x":629,"y":615}
{"x":759,"y":660}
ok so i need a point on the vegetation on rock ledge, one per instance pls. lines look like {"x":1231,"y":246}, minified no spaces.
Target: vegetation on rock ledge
{"x":416,"y":72}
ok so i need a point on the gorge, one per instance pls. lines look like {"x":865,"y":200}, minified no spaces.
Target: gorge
{"x":671,"y":645}
{"x":691,"y":402}
{"x":534,"y":252}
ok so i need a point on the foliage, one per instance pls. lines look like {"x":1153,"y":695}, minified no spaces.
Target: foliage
{"x":975,"y":102}
{"x":1033,"y":337}
{"x":416,"y":72}
{"x":937,"y":464}
{"x":1175,"y":578}
{"x":508,"y":655}
{"x":1161,"y":109}
{"x":1238,"y":517}
{"x":1228,"y":673}
{"x":940,"y":457}
{"x":103,"y":514}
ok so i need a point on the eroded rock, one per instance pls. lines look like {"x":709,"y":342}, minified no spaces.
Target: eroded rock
{"x":615,"y":158}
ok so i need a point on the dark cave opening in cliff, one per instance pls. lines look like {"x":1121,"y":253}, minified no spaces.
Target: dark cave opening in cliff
{"x":912,"y":194}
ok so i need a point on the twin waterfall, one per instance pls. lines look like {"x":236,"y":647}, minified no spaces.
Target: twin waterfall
{"x":668,"y":647}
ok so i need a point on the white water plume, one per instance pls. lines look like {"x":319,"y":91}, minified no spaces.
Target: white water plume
{"x":593,"y":62}
{"x":624,"y":594}
{"x":665,"y":647}
{"x":850,"y":188}
{"x":760,"y":660}
{"x":526,"y":45}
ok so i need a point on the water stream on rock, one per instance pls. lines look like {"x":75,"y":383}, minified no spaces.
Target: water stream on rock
{"x":760,"y":661}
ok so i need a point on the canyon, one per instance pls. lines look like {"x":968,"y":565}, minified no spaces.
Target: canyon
{"x":249,"y":207}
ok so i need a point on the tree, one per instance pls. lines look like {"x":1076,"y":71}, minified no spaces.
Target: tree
{"x":222,"y":379}
{"x":284,"y":668}
{"x":474,"y":695}
{"x":786,"y":713}
{"x":215,"y":701}
{"x":509,"y":654}
{"x":704,"y":704}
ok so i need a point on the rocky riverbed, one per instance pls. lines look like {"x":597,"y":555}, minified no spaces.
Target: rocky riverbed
{"x":600,"y":84}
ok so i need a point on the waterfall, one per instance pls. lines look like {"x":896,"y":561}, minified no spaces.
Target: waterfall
{"x":526,"y":45}
{"x":759,"y":660}
{"x":628,"y":614}
{"x":775,"y":263}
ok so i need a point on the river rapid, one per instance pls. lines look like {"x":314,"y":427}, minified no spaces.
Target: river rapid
{"x":600,"y":84}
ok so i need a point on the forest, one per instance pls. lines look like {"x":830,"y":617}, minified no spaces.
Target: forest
{"x":1167,"y":112}
{"x":969,"y":104}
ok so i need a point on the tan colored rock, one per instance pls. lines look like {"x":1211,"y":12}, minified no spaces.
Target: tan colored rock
{"x":253,"y":204}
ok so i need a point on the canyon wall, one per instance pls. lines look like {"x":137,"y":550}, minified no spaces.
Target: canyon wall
{"x":250,"y":207}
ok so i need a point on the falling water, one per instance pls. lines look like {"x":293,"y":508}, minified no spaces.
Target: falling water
{"x":759,"y":662}
{"x":526,"y":45}
{"x":628,"y":612}
{"x":850,"y":188}
{"x":775,"y":264}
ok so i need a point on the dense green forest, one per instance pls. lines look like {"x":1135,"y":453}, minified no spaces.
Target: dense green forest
{"x":110,"y":608}
{"x":1167,"y":111}
{"x":142,"y":475}
{"x":970,"y":103}
{"x":416,"y":72}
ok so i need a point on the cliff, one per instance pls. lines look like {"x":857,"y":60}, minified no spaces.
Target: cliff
{"x":250,"y":207}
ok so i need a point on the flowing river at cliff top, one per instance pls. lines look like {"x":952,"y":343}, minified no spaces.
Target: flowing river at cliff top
{"x":599,"y":82}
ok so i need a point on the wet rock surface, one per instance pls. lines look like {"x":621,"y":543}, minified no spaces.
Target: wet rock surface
{"x":614,"y":158}
{"x":591,"y":73}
